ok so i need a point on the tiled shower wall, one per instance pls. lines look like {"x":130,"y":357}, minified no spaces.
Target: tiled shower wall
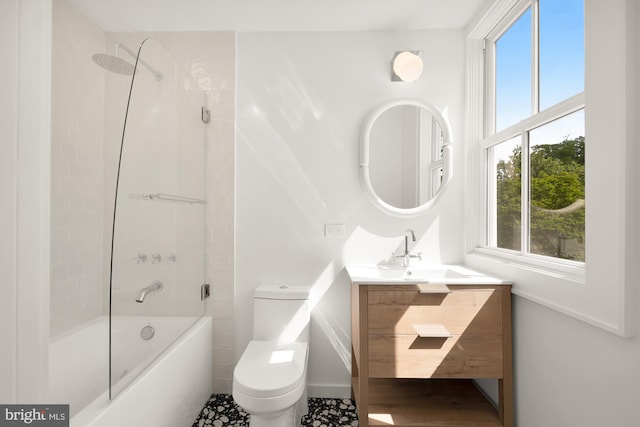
{"x":220,"y":68}
{"x":88,"y":110}
{"x":210,"y":57}
{"x":76,"y":170}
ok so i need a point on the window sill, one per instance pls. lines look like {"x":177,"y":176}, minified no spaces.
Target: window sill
{"x":562,"y":288}
{"x":562,"y":269}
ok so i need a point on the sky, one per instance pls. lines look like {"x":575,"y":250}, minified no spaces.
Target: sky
{"x":561,"y":61}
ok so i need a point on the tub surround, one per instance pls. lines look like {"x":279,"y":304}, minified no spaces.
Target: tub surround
{"x":169,"y":393}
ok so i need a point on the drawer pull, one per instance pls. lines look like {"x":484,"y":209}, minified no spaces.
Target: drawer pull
{"x":432,"y":331}
{"x":433,"y":288}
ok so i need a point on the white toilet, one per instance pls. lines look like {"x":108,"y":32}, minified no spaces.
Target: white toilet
{"x":270,"y":379}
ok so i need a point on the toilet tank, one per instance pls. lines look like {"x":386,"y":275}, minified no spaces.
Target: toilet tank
{"x":281,"y":313}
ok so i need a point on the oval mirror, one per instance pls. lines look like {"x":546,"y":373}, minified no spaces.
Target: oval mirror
{"x":405,"y":156}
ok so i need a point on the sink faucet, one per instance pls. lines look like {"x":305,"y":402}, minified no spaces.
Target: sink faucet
{"x":406,"y":256}
{"x":156,"y":286}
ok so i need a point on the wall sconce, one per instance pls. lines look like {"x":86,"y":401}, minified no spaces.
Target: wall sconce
{"x":406,"y":66}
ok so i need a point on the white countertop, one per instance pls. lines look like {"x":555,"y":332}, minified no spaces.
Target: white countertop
{"x":429,"y":274}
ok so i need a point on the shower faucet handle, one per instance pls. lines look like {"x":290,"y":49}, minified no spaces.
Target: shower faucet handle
{"x":156,"y":258}
{"x":140,"y":258}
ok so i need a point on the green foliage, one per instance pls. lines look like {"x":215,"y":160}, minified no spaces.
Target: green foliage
{"x":557,"y":217}
{"x":508,"y":200}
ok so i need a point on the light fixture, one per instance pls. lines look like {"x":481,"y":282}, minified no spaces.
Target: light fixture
{"x":406,"y":66}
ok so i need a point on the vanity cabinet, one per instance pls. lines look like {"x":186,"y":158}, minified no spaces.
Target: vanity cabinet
{"x":417,"y":348}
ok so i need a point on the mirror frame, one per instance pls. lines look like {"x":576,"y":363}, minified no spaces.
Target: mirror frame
{"x":447,"y":156}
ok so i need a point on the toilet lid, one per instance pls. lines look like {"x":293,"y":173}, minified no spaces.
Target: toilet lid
{"x":268,"y":369}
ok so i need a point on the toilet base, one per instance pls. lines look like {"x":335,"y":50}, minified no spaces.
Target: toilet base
{"x":290,"y":417}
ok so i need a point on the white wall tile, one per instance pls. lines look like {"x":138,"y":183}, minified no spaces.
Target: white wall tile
{"x":86,"y":141}
{"x":76,"y":202}
{"x":211,"y":56}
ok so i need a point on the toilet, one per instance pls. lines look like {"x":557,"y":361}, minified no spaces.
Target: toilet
{"x":270,"y":379}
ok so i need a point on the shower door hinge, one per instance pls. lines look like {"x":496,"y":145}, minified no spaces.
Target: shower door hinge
{"x":206,"y":115}
{"x":205,"y":291}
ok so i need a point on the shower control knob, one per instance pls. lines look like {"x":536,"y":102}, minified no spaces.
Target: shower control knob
{"x":172,"y":258}
{"x":156,"y":258}
{"x":141,"y":258}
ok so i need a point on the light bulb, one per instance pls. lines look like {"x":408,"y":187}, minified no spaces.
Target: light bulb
{"x":408,"y":66}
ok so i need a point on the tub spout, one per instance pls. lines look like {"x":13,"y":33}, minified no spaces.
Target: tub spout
{"x":156,"y":286}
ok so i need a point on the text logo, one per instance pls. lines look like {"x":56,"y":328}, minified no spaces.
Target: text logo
{"x":34,"y":415}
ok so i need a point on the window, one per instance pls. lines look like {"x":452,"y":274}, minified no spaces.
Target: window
{"x":534,"y":143}
{"x":529,"y":245}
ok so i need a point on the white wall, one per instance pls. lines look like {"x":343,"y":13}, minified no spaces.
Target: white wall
{"x":25,"y":111}
{"x":301,"y":100}
{"x":9,"y":27}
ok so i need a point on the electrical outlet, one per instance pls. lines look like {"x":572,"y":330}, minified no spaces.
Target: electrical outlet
{"x":334,"y":230}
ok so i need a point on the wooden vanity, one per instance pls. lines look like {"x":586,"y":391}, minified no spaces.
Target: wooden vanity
{"x":417,"y":347}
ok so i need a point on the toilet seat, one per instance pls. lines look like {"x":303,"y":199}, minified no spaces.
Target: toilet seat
{"x":267,"y":369}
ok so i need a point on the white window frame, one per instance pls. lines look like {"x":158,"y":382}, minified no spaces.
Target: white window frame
{"x":574,"y":269}
{"x":486,"y":235}
{"x":599,"y":293}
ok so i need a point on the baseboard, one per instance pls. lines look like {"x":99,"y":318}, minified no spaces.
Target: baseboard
{"x":329,"y":390}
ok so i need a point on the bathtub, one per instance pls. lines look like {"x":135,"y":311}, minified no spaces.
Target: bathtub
{"x":170,"y":392}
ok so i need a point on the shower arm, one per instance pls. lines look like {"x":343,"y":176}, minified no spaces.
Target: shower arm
{"x":156,"y":74}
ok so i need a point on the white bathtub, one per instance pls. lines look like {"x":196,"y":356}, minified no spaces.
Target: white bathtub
{"x":170,"y":392}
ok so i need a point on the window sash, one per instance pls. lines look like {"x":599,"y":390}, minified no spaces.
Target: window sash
{"x":489,"y":51}
{"x":486,"y":238}
{"x":520,"y":130}
{"x":561,"y":109}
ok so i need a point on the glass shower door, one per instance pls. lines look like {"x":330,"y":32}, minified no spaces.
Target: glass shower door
{"x":158,"y":251}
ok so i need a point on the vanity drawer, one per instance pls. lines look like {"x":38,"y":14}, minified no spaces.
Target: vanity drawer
{"x":466,"y":310}
{"x":460,"y":356}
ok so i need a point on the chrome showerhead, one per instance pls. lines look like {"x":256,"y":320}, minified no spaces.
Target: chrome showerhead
{"x":118,"y":65}
{"x":113,"y":64}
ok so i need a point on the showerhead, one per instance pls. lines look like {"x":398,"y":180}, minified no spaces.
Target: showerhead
{"x":120,"y":66}
{"x":113,"y":64}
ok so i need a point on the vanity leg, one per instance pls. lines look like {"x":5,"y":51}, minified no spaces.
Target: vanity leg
{"x":505,"y":385}
{"x":506,"y":403}
{"x":359,"y":353}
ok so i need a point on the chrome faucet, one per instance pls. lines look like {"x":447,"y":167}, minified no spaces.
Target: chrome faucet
{"x":156,"y":286}
{"x":406,"y":256}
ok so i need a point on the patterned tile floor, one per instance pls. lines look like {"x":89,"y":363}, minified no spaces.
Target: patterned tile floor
{"x":222,"y":411}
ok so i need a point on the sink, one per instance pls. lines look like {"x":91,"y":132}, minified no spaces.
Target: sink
{"x":436,"y":273}
{"x":394,"y":274}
